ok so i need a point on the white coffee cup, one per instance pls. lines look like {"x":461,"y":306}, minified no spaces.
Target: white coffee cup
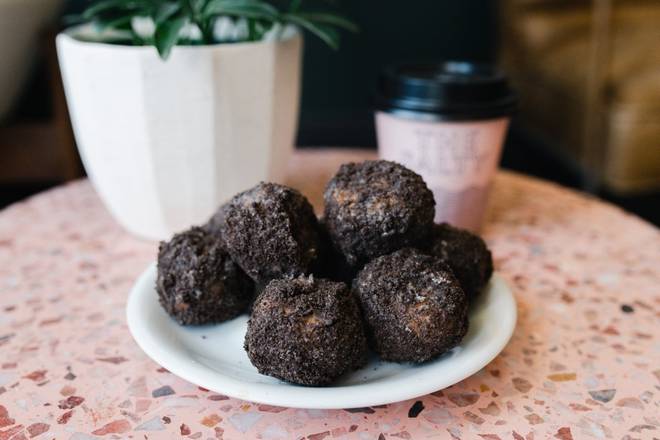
{"x":448,"y":123}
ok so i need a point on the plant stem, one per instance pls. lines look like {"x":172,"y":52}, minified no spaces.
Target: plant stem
{"x":252,"y":32}
{"x":207,"y":31}
{"x":204,"y":28}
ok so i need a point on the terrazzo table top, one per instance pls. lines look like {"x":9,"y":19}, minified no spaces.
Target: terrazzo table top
{"x":584,"y":361}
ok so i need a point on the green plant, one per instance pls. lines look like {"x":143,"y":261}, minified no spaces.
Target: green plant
{"x":189,"y":22}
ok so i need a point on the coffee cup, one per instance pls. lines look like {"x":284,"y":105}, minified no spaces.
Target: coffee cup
{"x":446,"y":121}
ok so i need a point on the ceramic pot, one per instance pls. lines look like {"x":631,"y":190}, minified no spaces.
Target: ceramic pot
{"x":166,"y":142}
{"x":447,"y":121}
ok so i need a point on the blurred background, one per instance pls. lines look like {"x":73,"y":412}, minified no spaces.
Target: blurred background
{"x":588,"y":73}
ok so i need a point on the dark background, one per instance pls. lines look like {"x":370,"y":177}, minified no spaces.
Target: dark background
{"x":338,"y":86}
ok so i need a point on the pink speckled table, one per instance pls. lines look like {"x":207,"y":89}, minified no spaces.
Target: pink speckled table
{"x":584,"y":361}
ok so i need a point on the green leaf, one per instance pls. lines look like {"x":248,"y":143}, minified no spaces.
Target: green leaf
{"x":329,"y":19}
{"x":252,"y":29}
{"x":123,"y":23}
{"x":241,"y":8}
{"x":165,"y":11}
{"x":192,"y":7}
{"x":167,"y":35}
{"x":329,"y":35}
{"x":108,"y":5}
{"x":198,"y":5}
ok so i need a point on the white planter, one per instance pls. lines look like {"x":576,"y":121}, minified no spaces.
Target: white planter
{"x":166,"y":142}
{"x":20,"y":23}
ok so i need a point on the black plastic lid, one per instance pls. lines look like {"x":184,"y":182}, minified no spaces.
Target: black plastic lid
{"x":456,"y":90}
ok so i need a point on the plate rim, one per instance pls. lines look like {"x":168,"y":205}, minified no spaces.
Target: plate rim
{"x":295,"y":396}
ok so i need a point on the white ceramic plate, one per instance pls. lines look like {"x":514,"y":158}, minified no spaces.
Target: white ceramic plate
{"x":213,"y":356}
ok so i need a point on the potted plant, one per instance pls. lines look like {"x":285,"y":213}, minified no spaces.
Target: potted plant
{"x":178,"y":104}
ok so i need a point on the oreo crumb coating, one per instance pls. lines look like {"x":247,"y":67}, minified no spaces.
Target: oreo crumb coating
{"x":331,"y":263}
{"x":271,"y":232}
{"x":305,"y":330}
{"x":215,"y":225}
{"x":376,"y":207}
{"x":466,"y":254}
{"x":197,"y":281}
{"x":414,"y":308}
